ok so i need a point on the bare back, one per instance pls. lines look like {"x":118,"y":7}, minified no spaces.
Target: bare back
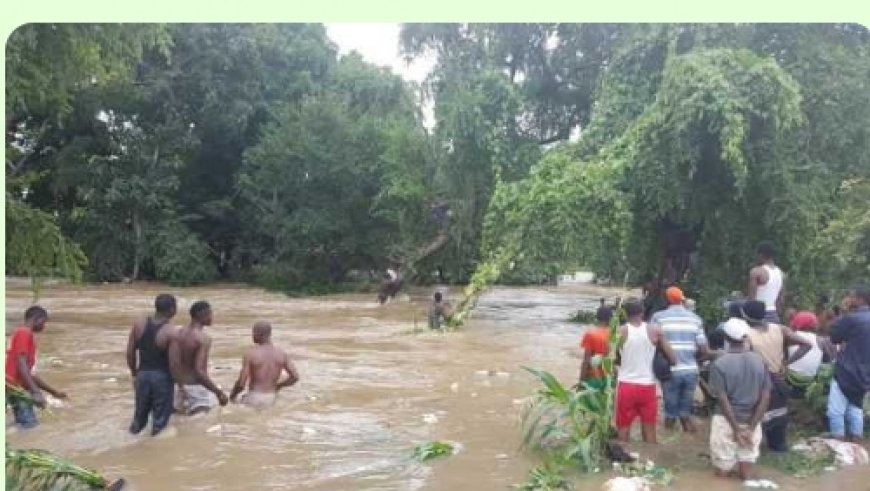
{"x":265,"y":363}
{"x":188,"y":343}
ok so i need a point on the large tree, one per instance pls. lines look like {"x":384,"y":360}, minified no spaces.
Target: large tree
{"x":714,"y":137}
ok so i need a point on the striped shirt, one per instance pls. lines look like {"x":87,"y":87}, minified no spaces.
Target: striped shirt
{"x":684,"y":331}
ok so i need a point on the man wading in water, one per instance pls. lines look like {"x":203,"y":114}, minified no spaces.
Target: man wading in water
{"x":149,"y":366}
{"x":262,"y":366}
{"x":188,"y":359}
{"x":20,"y":368}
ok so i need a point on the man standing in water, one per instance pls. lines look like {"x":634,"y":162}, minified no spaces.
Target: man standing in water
{"x":390,"y":286}
{"x":767,"y":281}
{"x":636,"y":387}
{"x":20,"y":360}
{"x":770,"y":340}
{"x":852,"y":369}
{"x":188,"y":359}
{"x":596,"y":345}
{"x":149,"y":366}
{"x":261,"y":369}
{"x":439,"y":311}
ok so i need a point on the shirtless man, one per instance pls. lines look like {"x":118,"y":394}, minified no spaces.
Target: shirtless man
{"x":188,"y":360}
{"x":261,"y":368}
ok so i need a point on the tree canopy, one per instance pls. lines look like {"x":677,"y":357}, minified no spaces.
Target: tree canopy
{"x":191,"y":152}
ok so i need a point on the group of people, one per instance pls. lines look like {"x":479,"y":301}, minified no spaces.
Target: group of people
{"x":746,"y":359}
{"x":746,"y":370}
{"x":168,"y":365}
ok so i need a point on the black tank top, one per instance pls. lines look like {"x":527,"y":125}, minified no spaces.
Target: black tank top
{"x":151,"y":357}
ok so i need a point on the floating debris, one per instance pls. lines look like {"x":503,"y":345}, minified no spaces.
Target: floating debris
{"x":626,"y":484}
{"x":432,"y":450}
{"x":760,"y":484}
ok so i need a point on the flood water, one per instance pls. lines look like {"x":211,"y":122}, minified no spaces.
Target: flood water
{"x":369,"y":392}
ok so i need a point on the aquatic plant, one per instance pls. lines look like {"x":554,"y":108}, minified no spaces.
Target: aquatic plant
{"x":800,"y":464}
{"x":39,"y":470}
{"x":432,"y":450}
{"x":546,"y":477}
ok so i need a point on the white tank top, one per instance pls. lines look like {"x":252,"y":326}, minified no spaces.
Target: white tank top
{"x":637,"y":357}
{"x":807,"y":366}
{"x":769,"y":291}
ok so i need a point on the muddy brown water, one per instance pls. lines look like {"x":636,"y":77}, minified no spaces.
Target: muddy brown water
{"x":369,"y":392}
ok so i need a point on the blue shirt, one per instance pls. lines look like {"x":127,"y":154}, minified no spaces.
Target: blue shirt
{"x":852,"y":368}
{"x":684,"y":331}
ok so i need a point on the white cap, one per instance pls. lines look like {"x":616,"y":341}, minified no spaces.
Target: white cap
{"x":736,"y":329}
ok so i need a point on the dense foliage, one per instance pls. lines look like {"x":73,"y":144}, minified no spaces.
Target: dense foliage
{"x":187,"y":153}
{"x":702,"y":140}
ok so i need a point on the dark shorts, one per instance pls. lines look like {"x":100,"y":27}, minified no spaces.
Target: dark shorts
{"x":23,"y":412}
{"x":155,"y":397}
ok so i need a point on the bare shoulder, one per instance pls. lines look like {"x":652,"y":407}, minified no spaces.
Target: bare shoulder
{"x":202,"y":338}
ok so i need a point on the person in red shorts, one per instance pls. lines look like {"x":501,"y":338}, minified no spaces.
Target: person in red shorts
{"x":20,"y":359}
{"x":596,"y":345}
{"x":636,"y":382}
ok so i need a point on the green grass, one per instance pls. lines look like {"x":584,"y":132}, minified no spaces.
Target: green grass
{"x":798,"y":464}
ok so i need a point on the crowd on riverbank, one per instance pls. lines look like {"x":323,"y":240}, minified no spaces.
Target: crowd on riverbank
{"x":748,"y":367}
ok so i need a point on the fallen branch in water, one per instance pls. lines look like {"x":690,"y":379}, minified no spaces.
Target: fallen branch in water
{"x":38,"y":470}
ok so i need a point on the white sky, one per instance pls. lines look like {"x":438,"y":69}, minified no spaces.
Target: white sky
{"x":379,"y":44}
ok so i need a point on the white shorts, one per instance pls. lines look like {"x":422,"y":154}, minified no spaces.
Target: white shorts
{"x":198,"y":397}
{"x":724,"y":450}
{"x":259,"y":400}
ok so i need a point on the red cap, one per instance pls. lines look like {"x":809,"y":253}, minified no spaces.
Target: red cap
{"x":674,"y":295}
{"x":804,"y":321}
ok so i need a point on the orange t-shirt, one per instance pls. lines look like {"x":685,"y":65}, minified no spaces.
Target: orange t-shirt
{"x":596,"y":341}
{"x":21,"y":342}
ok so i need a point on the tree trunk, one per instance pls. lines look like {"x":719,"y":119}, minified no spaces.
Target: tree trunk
{"x":137,"y":251}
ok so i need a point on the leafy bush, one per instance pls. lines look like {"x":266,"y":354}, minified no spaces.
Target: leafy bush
{"x":36,"y":247}
{"x":180,"y":258}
